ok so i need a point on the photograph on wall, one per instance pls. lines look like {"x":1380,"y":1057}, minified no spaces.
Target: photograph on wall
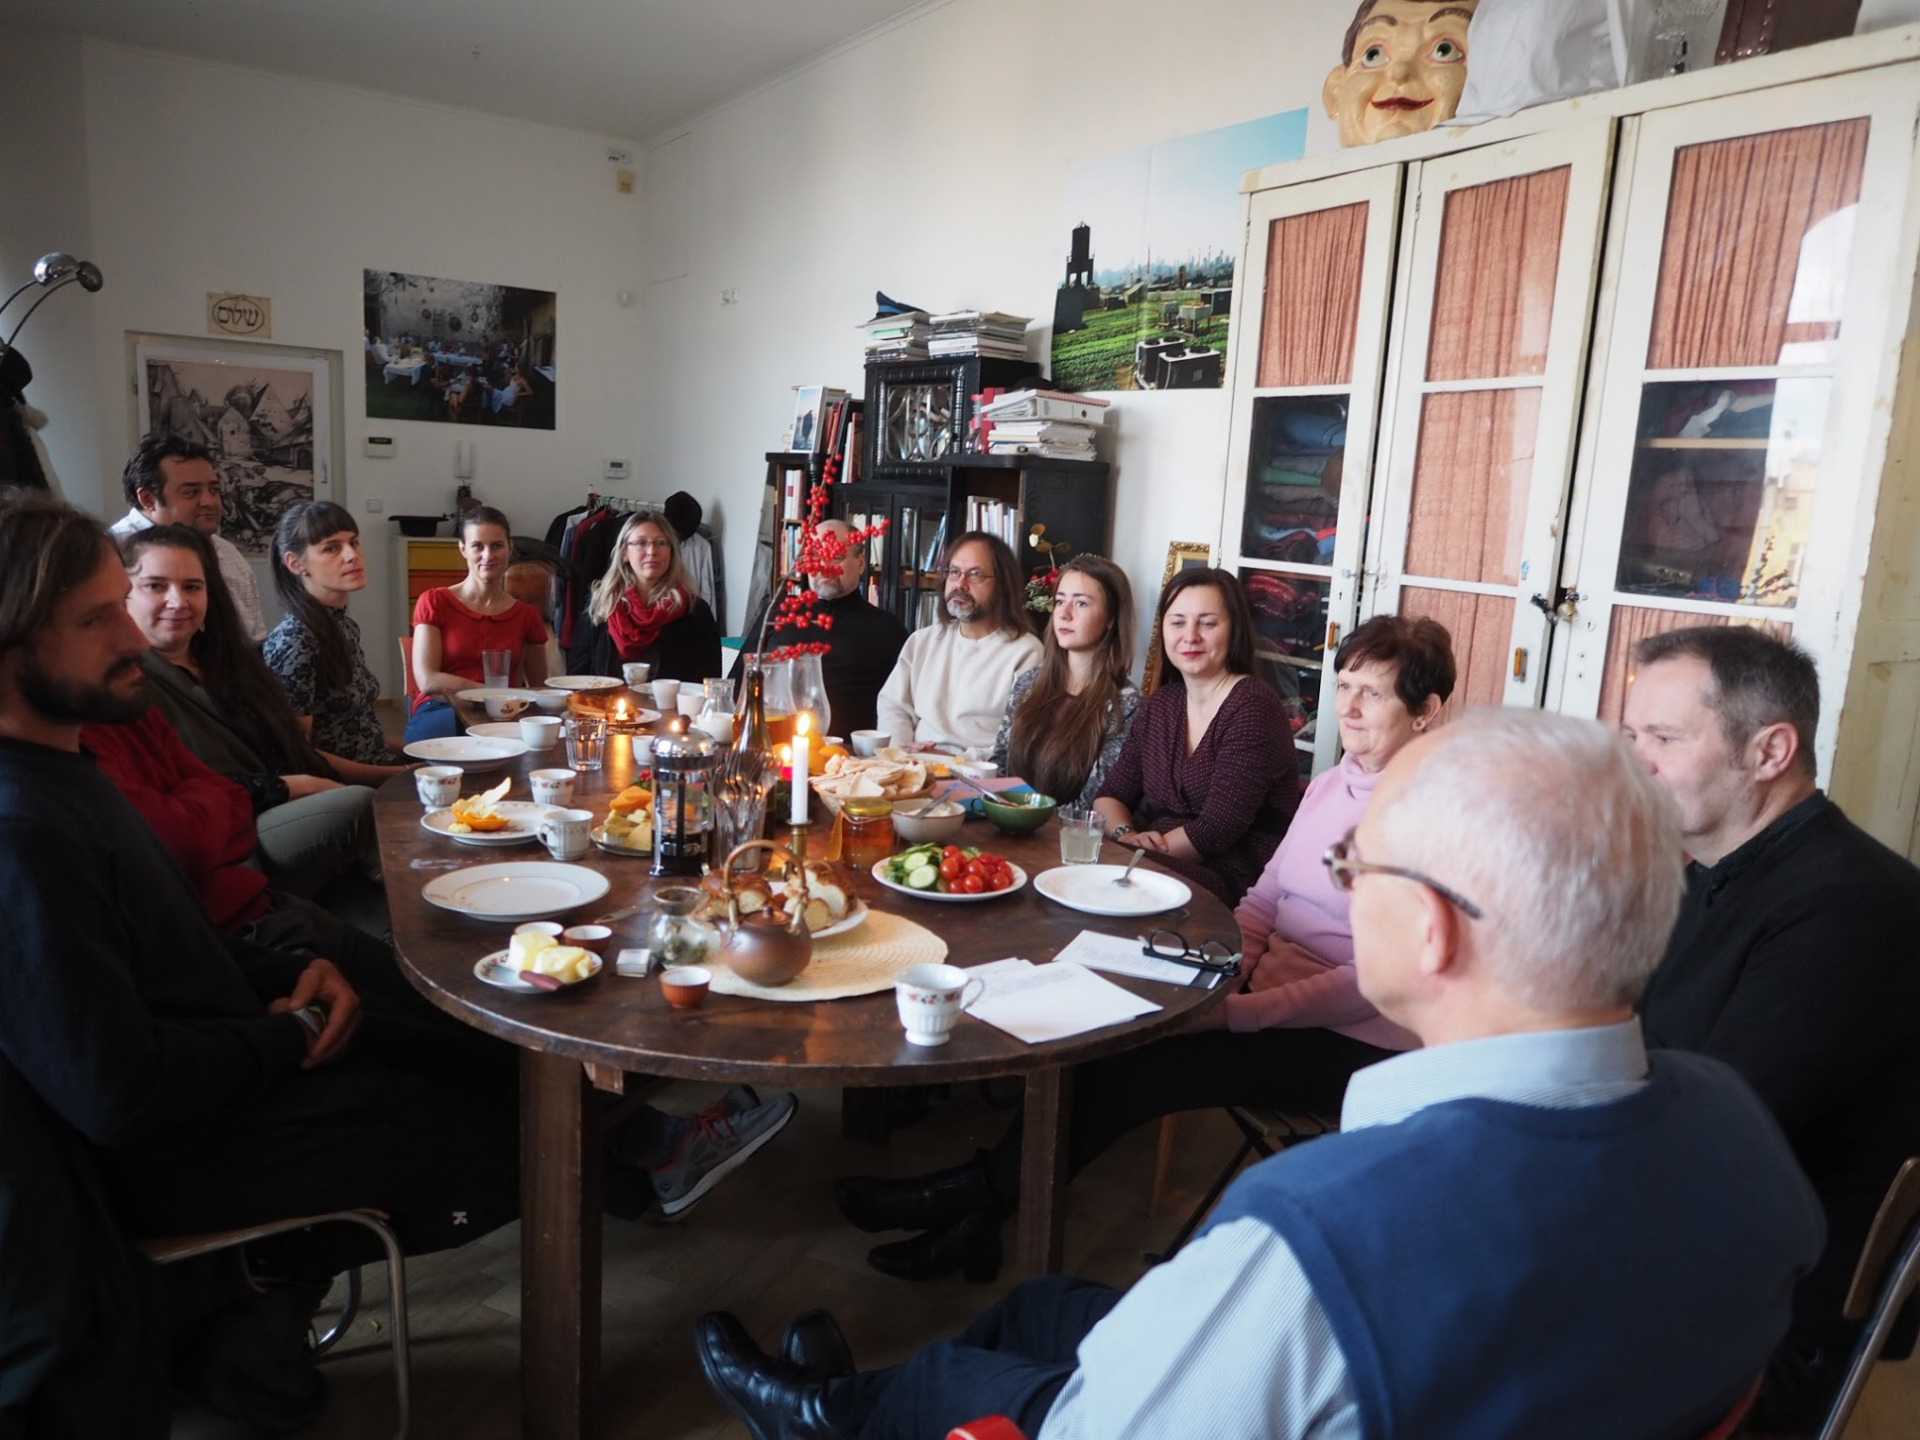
{"x":458,"y":352}
{"x":253,"y":407}
{"x":1152,"y":238}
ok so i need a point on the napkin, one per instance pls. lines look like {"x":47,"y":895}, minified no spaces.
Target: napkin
{"x":1037,"y":1003}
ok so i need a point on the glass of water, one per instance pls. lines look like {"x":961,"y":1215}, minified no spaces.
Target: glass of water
{"x":586,"y":741}
{"x":1081,"y":831}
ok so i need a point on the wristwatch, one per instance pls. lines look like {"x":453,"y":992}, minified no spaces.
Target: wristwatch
{"x":1118,"y":831}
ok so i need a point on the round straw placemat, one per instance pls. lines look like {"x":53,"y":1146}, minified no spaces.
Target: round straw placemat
{"x":861,"y":962}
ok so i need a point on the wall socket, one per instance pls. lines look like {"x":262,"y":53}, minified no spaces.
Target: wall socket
{"x":617,"y":156}
{"x":614,"y":469}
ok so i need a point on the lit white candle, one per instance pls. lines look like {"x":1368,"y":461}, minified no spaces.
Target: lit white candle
{"x":802,"y":745}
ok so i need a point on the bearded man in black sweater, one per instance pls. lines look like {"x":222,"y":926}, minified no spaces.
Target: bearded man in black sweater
{"x":219,"y":1084}
{"x":1794,"y":959}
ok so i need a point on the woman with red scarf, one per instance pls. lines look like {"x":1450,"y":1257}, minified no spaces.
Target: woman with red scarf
{"x":645,"y":608}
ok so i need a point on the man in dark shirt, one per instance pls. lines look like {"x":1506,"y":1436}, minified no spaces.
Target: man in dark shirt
{"x":221,"y":1084}
{"x":1794,"y":957}
{"x":863,"y":641}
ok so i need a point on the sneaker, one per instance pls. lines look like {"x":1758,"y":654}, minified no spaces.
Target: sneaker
{"x":737,"y":1101}
{"x":714,"y":1148}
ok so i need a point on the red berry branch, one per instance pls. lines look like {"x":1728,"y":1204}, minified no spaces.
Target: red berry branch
{"x":820,"y":554}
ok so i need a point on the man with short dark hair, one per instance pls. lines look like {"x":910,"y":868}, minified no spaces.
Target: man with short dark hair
{"x":170,"y":480}
{"x":951,"y":683}
{"x":1794,"y":957}
{"x":1525,"y":1228}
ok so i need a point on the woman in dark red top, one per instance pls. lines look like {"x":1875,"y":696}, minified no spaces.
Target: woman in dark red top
{"x":1208,"y":780}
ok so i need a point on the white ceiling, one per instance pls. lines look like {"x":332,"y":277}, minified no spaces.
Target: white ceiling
{"x":627,"y":68}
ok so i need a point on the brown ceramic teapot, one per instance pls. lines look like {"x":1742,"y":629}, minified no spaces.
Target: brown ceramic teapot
{"x":767,"y":947}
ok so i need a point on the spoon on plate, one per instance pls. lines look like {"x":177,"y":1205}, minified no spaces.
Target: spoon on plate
{"x":1125,"y":882}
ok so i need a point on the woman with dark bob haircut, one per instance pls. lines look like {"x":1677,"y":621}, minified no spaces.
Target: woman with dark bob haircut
{"x":1208,"y":778}
{"x":1292,"y":1038}
{"x":318,"y":565}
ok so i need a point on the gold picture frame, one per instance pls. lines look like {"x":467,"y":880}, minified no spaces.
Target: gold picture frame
{"x":1181,"y":555}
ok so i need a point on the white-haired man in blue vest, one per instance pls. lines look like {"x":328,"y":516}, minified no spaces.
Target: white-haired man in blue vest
{"x":1528,"y":1227}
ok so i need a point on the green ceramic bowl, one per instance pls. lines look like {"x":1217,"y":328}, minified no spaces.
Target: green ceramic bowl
{"x":1015,"y":818}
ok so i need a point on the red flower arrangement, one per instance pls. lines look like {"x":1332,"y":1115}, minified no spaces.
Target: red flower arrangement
{"x":820,"y":554}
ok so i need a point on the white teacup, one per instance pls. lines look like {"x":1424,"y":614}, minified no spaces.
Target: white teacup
{"x":565,"y":833}
{"x":551,"y":702}
{"x":690,"y":704}
{"x":540,"y":732}
{"x":552,"y":787}
{"x":643,"y":750}
{"x":931,"y":998}
{"x":506,"y":705}
{"x":869,"y":742}
{"x":666,"y":695}
{"x":636,"y":673}
{"x":439,"y":785}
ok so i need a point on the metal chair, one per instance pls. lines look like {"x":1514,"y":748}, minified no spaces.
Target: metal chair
{"x":1264,"y":1133}
{"x":187,"y":1247}
{"x":1887,"y":1274}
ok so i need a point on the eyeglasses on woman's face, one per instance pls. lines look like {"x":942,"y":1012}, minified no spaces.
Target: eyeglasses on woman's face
{"x":649,"y":544}
{"x":1344,"y":866}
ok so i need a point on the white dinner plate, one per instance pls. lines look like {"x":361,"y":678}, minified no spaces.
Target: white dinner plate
{"x":1090,"y":888}
{"x":522,"y":816}
{"x":515,"y":890}
{"x":1019,"y":882}
{"x":480,"y":696}
{"x":583,"y":682}
{"x":474,"y":753}
{"x":493,"y":970}
{"x":498,"y":730}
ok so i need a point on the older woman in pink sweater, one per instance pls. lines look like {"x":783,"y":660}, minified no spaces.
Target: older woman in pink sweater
{"x":1293,"y":1037}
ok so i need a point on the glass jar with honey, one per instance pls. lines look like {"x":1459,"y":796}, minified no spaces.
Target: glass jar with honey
{"x":869,"y":834}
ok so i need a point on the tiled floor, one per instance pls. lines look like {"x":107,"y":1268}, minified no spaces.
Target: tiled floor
{"x":768,"y":1244}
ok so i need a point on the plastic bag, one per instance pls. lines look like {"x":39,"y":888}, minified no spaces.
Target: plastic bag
{"x":1523,"y":52}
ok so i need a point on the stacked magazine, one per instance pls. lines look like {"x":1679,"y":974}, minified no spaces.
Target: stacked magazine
{"x":978,"y":332}
{"x":901,"y":336}
{"x":1049,"y":423}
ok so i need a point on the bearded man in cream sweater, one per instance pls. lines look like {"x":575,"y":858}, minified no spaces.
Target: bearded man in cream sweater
{"x":951,"y":683}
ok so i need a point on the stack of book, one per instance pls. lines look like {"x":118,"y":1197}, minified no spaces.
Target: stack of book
{"x":995,"y":517}
{"x":898,"y":337}
{"x":977,"y":332}
{"x":1048,"y":423}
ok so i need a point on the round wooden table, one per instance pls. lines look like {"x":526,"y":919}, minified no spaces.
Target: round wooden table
{"x":597,"y":1033}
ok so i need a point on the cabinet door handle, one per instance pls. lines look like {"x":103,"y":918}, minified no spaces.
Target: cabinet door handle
{"x":1520,"y":662}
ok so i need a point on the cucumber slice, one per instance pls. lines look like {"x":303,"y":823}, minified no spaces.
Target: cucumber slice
{"x":923,"y":878}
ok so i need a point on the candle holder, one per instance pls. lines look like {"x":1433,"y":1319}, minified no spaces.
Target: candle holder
{"x":797,"y":842}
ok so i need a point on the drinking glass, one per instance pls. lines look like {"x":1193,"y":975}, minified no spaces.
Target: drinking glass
{"x":586,"y":741}
{"x":1080,"y":834}
{"x":497,"y":668}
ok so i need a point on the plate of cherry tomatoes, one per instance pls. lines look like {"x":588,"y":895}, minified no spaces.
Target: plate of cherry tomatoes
{"x":950,"y":873}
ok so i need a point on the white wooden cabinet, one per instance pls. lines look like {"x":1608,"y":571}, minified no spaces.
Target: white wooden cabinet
{"x":1604,"y":368}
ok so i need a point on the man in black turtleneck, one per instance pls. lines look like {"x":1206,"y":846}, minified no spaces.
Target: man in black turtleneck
{"x":863,"y":640}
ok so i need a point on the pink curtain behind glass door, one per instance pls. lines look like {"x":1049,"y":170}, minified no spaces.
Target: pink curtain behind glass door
{"x":1493,"y":292}
{"x":1312,"y":314}
{"x":1737,"y":215}
{"x":1482,"y":631}
{"x":1470,"y":485}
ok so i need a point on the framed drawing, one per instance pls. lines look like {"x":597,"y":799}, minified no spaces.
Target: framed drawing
{"x":1181,"y":555}
{"x":267,"y":413}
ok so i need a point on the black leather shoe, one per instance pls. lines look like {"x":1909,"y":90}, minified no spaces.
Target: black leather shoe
{"x":773,"y":1399}
{"x":970,"y":1244}
{"x":815,"y":1346}
{"x":922,"y":1202}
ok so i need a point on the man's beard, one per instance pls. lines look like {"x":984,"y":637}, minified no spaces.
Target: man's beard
{"x":963,"y":607}
{"x":84,"y":704}
{"x":831,"y":587}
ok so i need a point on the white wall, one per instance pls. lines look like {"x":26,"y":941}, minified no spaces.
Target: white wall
{"x":207,"y":177}
{"x":43,"y":207}
{"x":930,"y":162}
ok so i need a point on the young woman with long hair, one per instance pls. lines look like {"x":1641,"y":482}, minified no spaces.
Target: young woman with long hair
{"x":1068,"y":716}
{"x":645,"y":608}
{"x":208,"y":680}
{"x":318,"y":565}
{"x":454,"y":625}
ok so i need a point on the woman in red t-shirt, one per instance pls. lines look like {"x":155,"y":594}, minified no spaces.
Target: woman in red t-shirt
{"x":453,"y":625}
